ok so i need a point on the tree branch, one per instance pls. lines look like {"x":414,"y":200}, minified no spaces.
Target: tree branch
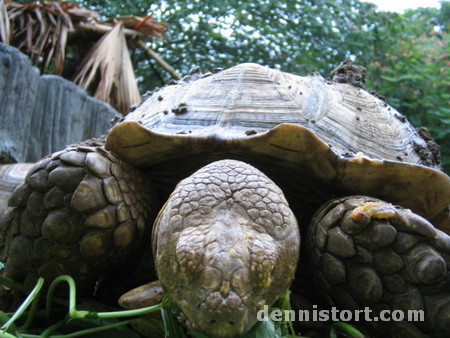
{"x":151,"y":53}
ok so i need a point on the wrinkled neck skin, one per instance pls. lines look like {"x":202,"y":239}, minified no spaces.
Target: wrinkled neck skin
{"x":223,"y":263}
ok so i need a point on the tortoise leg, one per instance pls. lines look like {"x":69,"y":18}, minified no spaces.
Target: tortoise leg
{"x":80,"y":212}
{"x":369,"y":253}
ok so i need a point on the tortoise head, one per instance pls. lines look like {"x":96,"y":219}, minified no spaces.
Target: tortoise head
{"x":225,"y":244}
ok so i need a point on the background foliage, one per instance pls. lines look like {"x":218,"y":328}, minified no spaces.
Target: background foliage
{"x":407,"y":56}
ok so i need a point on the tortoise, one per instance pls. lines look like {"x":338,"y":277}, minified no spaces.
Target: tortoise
{"x":236,"y":168}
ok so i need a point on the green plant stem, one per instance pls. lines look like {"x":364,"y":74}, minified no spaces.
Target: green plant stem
{"x":72,"y":294}
{"x":73,"y":312}
{"x":33,"y":294}
{"x":285,"y":304}
{"x":31,"y":314}
{"x":52,"y":328}
{"x":95,"y":329}
{"x":57,"y":325}
{"x":171,"y":327}
{"x":6,"y":335}
{"x":10,"y":283}
{"x":348,"y":329}
{"x":114,"y":314}
{"x":4,"y":319}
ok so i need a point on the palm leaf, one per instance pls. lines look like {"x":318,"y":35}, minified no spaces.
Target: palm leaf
{"x":144,"y":25}
{"x":4,"y":23}
{"x":41,"y":31}
{"x":110,"y":61}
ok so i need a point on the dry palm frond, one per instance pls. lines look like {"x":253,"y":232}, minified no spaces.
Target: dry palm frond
{"x":43,"y":30}
{"x":110,"y":61}
{"x":144,"y":25}
{"x":4,"y":23}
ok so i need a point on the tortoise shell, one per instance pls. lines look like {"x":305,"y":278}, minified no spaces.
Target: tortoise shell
{"x":336,"y":133}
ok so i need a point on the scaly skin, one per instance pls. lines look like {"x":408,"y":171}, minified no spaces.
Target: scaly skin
{"x":81,"y":211}
{"x":225,"y":244}
{"x":369,"y":253}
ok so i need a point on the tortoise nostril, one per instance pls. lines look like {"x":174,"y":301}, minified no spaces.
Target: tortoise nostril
{"x":213,"y":321}
{"x":231,"y":322}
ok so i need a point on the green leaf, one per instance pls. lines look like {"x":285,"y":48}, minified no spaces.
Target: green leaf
{"x":348,"y":329}
{"x":264,"y":329}
{"x":333,"y":333}
{"x":197,"y":334}
{"x":169,"y":310}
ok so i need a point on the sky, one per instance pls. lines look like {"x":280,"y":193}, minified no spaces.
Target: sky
{"x":400,"y":5}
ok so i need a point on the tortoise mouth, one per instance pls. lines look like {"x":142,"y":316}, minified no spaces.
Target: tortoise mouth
{"x":229,"y":318}
{"x":219,"y":324}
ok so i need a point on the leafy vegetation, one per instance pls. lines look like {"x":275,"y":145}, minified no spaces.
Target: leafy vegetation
{"x":86,"y":321}
{"x":413,"y":72}
{"x":30,"y":320}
